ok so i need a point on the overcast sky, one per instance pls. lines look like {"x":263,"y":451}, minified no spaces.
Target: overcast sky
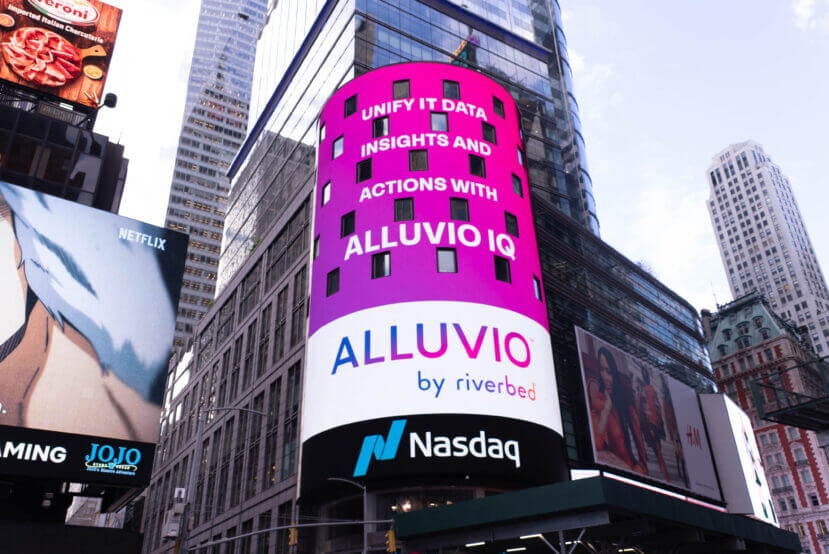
{"x":662,"y":87}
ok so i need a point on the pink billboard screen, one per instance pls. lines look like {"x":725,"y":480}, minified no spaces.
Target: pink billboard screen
{"x":426,"y":296}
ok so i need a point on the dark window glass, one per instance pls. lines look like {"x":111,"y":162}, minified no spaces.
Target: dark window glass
{"x":316,"y":247}
{"x":459,"y":209}
{"x":447,"y":260}
{"x":511,"y":223}
{"x":451,"y":89}
{"x":404,"y":209}
{"x":337,"y":148}
{"x":350,"y":105}
{"x":347,"y":224}
{"x":418,"y":160}
{"x":400,"y":89}
{"x":489,"y":132}
{"x":477,"y":165}
{"x":326,"y":193}
{"x":498,"y":106}
{"x":380,"y":265}
{"x":380,"y":127}
{"x":322,"y":132}
{"x":520,"y":156}
{"x":537,"y":287}
{"x":364,"y":170}
{"x":439,"y":121}
{"x":502,"y":272}
{"x":332,"y":282}
{"x":516,"y":185}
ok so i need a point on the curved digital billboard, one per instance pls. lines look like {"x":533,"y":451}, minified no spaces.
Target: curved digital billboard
{"x":428,"y":351}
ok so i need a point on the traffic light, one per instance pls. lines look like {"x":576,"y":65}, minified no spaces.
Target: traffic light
{"x":292,"y":536}
{"x":391,"y":541}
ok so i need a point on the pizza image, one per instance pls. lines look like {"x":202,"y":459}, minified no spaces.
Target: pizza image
{"x":42,"y":57}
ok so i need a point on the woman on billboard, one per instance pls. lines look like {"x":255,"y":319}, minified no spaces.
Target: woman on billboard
{"x":613,"y":414}
{"x":69,"y":357}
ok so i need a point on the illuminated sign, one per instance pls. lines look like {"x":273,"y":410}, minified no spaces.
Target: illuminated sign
{"x":60,"y":48}
{"x":80,"y":353}
{"x":644,"y":422}
{"x":426,"y":298}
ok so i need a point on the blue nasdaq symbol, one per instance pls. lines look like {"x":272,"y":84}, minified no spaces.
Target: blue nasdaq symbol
{"x":377,"y":446}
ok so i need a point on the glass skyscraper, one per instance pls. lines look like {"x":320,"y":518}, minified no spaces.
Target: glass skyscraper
{"x":249,"y":350}
{"x":213,"y":128}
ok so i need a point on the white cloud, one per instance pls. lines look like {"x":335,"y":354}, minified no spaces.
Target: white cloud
{"x":809,"y":14}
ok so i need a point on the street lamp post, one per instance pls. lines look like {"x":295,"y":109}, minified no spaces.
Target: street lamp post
{"x":192,"y":475}
{"x":365,"y":507}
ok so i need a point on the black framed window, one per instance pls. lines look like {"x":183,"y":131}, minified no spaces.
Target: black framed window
{"x":516,"y":185}
{"x":316,"y":246}
{"x":401,"y":89}
{"x":477,"y":166}
{"x":347,"y":224}
{"x":364,"y":170}
{"x":502,"y":272}
{"x":325,"y":195}
{"x":459,"y":209}
{"x":520,"y":156}
{"x":380,"y":127}
{"x":447,"y":260}
{"x":404,"y":209}
{"x":439,"y":121}
{"x":489,"y":132}
{"x":380,"y":265}
{"x":332,"y":282}
{"x":322,"y":132}
{"x":537,"y":287}
{"x":418,"y":160}
{"x":511,"y":224}
{"x":337,"y":147}
{"x":452,"y":89}
{"x":350,"y":105}
{"x":498,"y":106}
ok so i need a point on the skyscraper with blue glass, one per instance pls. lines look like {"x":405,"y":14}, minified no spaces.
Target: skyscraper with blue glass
{"x":213,"y":128}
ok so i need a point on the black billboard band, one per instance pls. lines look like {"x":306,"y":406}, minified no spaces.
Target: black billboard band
{"x":441,"y":448}
{"x":78,"y":458}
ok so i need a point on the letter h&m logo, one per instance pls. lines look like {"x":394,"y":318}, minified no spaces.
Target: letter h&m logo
{"x":377,"y":446}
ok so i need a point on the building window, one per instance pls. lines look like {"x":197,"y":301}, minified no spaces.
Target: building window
{"x":516,"y":185}
{"x":477,"y":165}
{"x":418,"y":160}
{"x":489,"y":132}
{"x":404,"y":209}
{"x":347,"y":224}
{"x":400,"y":89}
{"x":447,"y":260}
{"x":316,"y":247}
{"x":511,"y":224}
{"x":380,"y":127}
{"x":337,"y":148}
{"x":813,"y":499}
{"x":537,"y":287}
{"x":452,"y":89}
{"x":520,"y":156}
{"x":326,"y":193}
{"x":364,"y":170}
{"x":332,"y":282}
{"x":322,"y":132}
{"x":498,"y":106}
{"x":459,"y":209}
{"x":350,"y":105}
{"x":502,"y":272}
{"x":439,"y":121}
{"x":380,"y":265}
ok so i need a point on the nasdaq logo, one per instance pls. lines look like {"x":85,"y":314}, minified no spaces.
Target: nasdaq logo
{"x":377,"y":446}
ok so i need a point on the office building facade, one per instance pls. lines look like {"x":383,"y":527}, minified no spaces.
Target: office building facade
{"x":748,"y":342}
{"x":763,"y":240}
{"x":249,"y":352}
{"x":213,"y":128}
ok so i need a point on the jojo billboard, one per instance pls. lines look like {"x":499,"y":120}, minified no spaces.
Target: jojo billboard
{"x":61,"y":48}
{"x":644,"y":422}
{"x":89,"y":304}
{"x":428,"y":350}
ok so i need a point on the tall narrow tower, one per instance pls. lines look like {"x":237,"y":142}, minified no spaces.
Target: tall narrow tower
{"x":763,"y":241}
{"x":213,"y":128}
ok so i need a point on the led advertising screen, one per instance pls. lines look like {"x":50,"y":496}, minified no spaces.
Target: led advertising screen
{"x":429,"y":351}
{"x":746,"y":491}
{"x":644,"y":422}
{"x":89,"y":303}
{"x":61,"y":48}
